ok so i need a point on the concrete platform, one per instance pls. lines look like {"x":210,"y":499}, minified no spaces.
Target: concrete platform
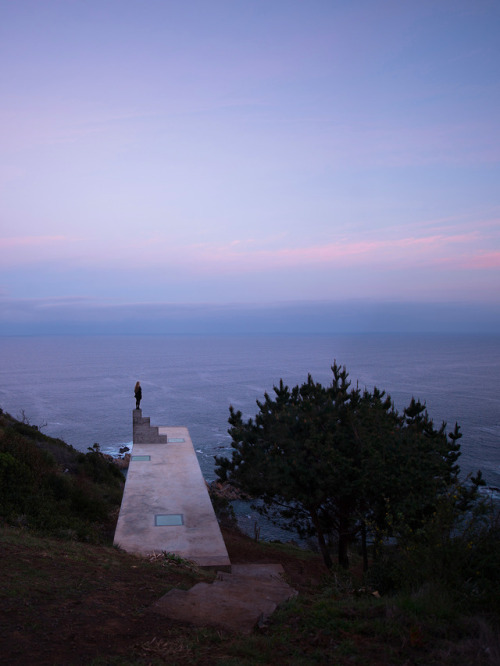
{"x":165,"y":505}
{"x":237,"y":601}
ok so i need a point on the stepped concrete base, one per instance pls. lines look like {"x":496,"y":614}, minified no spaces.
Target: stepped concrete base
{"x":236,"y":601}
{"x":165,"y":505}
{"x":144,"y":432}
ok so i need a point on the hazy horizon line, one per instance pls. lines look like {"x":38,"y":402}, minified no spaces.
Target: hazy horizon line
{"x":82,"y":316}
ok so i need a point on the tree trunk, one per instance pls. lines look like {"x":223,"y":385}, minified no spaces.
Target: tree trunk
{"x":324,"y":550}
{"x":343,"y":543}
{"x":321,"y":540}
{"x":363,"y":546}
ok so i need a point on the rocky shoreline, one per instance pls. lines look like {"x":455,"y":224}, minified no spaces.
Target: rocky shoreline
{"x":122,"y":462}
{"x":226,"y":491}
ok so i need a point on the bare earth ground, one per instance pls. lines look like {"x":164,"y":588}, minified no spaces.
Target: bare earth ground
{"x":67,"y":603}
{"x":73,"y":604}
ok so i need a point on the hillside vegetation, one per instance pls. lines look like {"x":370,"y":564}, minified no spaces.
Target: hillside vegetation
{"x":47,"y":485}
{"x":69,"y":597}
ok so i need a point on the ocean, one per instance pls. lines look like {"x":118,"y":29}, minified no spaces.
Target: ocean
{"x":81,"y":388}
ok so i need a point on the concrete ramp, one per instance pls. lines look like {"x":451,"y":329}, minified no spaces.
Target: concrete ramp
{"x":165,"y":505}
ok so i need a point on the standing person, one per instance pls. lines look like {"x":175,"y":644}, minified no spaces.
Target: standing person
{"x":138,"y":395}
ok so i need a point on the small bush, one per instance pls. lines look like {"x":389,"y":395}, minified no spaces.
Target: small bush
{"x":460,"y":560}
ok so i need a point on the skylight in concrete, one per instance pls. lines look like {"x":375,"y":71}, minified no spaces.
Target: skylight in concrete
{"x":168,"y":519}
{"x":141,"y":458}
{"x":176,"y":439}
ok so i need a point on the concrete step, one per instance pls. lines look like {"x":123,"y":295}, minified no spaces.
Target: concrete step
{"x":143,"y":432}
{"x":235,"y":602}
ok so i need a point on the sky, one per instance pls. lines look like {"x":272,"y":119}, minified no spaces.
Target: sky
{"x":180,"y":164}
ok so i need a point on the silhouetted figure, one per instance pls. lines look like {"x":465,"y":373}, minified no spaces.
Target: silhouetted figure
{"x":138,"y":395}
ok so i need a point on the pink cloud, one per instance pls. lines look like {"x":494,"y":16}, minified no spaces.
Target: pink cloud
{"x":485,"y":260}
{"x":29,"y":241}
{"x":462,"y":251}
{"x":25,"y":250}
{"x":428,"y":249}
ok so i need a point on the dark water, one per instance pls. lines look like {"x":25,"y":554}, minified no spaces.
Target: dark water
{"x":82,"y":387}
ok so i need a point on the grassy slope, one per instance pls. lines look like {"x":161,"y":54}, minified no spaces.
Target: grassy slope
{"x":63,"y":601}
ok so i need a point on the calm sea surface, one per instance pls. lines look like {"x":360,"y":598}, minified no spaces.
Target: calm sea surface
{"x":82,"y":387}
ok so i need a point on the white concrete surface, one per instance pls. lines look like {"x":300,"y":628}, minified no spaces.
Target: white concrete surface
{"x":171,"y":483}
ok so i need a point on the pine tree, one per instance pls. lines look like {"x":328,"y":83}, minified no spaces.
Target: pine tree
{"x":337,"y":462}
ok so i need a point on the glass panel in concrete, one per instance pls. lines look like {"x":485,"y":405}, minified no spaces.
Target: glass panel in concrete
{"x":168,"y":519}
